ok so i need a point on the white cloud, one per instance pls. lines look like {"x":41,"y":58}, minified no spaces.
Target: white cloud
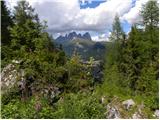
{"x":66,"y":15}
{"x":133,"y":16}
{"x":101,"y":37}
{"x":98,"y":38}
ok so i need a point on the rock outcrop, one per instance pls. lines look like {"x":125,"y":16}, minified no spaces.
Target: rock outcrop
{"x":116,"y":109}
{"x":112,"y":112}
{"x":128,"y":103}
{"x":136,"y":115}
{"x":51,"y":93}
{"x":156,"y":114}
{"x":9,"y":77}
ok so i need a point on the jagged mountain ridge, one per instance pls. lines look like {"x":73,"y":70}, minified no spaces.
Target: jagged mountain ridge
{"x":73,"y":35}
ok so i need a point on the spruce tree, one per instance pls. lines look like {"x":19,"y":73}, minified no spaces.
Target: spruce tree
{"x":117,"y":31}
{"x":27,"y":27}
{"x":150,"y":13}
{"x":117,"y":41}
{"x":6,"y":22}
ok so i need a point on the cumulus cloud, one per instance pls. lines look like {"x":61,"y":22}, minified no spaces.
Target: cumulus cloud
{"x":101,"y":37}
{"x":66,"y":15}
{"x":133,"y":16}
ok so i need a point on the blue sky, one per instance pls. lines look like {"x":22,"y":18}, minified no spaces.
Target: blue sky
{"x":93,"y":16}
{"x":91,"y":4}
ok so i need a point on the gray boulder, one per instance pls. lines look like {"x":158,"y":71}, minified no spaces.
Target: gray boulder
{"x":156,"y":114}
{"x":112,"y":112}
{"x":12,"y":79}
{"x":51,"y":93}
{"x":128,"y":103}
{"x":8,"y":77}
{"x":136,"y":115}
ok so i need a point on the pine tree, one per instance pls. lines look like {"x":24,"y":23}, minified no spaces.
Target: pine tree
{"x":6,"y":22}
{"x":150,"y":13}
{"x":133,"y":57}
{"x":27,"y":27}
{"x":117,"y":39}
{"x":148,"y":80}
{"x":117,"y":31}
{"x":23,"y":12}
{"x":114,"y":55}
{"x":34,"y":46}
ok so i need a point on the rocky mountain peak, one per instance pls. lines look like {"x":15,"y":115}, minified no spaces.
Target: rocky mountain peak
{"x":87,"y":36}
{"x":73,"y":35}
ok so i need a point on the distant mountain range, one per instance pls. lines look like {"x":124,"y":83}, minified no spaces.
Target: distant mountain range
{"x":83,"y":44}
{"x":73,"y":35}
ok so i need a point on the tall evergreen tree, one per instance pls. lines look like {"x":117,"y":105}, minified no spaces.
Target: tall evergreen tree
{"x":23,"y":12}
{"x":132,"y":57}
{"x":117,"y":38}
{"x":150,"y":13}
{"x":148,"y":81}
{"x":117,"y":31}
{"x":27,"y":27}
{"x":6,"y":22}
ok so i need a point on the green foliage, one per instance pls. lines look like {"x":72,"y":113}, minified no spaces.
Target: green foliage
{"x":23,"y":12}
{"x":117,"y":31}
{"x":131,"y":69}
{"x":34,"y":47}
{"x":9,"y":96}
{"x":47,"y":66}
{"x":150,"y":13}
{"x":6,"y":23}
{"x":17,"y":109}
{"x":114,"y":84}
{"x":82,"y":106}
{"x":6,"y":55}
{"x":86,"y":49}
{"x":132,"y":63}
{"x":24,"y":35}
{"x":27,"y":29}
{"x":79,"y":75}
{"x":147,"y":83}
{"x":71,"y":106}
{"x":152,"y":102}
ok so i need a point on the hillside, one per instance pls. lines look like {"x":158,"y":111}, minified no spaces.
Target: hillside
{"x":82,"y":44}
